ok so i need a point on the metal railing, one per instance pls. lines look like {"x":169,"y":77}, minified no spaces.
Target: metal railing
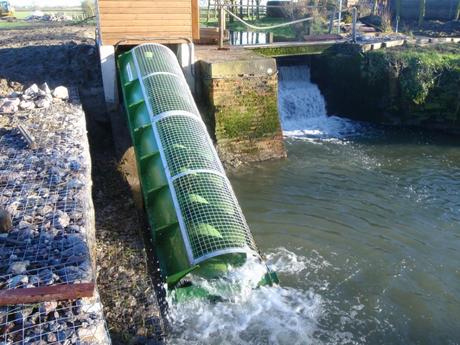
{"x":223,"y":8}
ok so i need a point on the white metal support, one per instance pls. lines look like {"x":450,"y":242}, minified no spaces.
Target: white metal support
{"x":109,"y":76}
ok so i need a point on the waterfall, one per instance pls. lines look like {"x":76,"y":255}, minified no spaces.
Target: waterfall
{"x":302,"y":108}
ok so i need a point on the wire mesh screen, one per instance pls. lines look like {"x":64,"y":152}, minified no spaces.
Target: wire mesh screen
{"x":213,"y":221}
{"x":65,"y":322}
{"x":46,"y":189}
{"x":168,"y":92}
{"x":186,"y":145}
{"x":211,"y":213}
{"x":154,"y":58}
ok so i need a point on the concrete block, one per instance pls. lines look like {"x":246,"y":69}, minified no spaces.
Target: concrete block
{"x":109,"y":75}
{"x":366,"y":47}
{"x":395,"y":43}
{"x":377,"y":45}
{"x":186,"y":58}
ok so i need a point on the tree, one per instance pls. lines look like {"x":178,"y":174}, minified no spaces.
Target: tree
{"x":375,"y":7}
{"x":89,"y":8}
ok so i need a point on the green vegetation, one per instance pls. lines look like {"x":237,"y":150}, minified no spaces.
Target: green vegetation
{"x":293,"y":50}
{"x":239,"y":121}
{"x":407,"y":85}
{"x":417,"y":69}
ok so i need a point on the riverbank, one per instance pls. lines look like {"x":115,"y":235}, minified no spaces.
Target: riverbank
{"x":67,"y":55}
{"x":407,"y":86}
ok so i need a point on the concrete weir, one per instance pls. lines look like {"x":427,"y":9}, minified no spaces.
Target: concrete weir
{"x":238,"y":90}
{"x":47,"y":275}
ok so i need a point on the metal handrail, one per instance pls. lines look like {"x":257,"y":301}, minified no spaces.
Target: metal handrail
{"x":266,"y":27}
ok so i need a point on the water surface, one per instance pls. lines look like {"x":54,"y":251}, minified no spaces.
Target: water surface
{"x":362,"y":225}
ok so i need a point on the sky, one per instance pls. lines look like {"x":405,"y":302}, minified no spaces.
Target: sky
{"x":46,"y":3}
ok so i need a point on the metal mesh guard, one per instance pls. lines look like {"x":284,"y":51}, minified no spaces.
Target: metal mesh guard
{"x":211,"y":214}
{"x":186,"y":145}
{"x":211,"y":219}
{"x":168,"y":92}
{"x":156,"y":58}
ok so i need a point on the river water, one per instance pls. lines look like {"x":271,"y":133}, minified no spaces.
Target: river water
{"x":362,"y":225}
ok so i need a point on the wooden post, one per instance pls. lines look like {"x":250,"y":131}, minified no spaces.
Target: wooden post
{"x":195,"y":20}
{"x":331,"y":22}
{"x":270,"y":37}
{"x":355,"y":19}
{"x":209,"y":10}
{"x":421,"y":13}
{"x":457,"y":15}
{"x":221,"y":26}
{"x":374,"y":8}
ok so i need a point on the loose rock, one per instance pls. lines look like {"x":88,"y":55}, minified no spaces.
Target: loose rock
{"x":61,"y":92}
{"x":17,"y":281}
{"x":18,"y":267}
{"x":9,"y":107}
{"x":5,"y":221}
{"x":32,"y":91}
{"x":43,"y":102}
{"x":26,"y":105}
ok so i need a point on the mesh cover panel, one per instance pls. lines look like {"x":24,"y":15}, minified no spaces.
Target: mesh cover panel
{"x":168,"y":92}
{"x":155,"y":58}
{"x":211,"y":214}
{"x":186,"y":145}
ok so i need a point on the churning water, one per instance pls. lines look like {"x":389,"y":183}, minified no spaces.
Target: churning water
{"x":360,"y":223}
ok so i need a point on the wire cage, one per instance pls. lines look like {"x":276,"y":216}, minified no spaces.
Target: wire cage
{"x":191,"y":206}
{"x":45,"y":186}
{"x":66,"y":322}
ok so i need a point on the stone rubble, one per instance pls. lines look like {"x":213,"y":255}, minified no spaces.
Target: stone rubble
{"x":32,"y":97}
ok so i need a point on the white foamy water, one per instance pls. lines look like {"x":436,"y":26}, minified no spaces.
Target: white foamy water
{"x":250,"y":314}
{"x":277,"y":315}
{"x":303,"y":109}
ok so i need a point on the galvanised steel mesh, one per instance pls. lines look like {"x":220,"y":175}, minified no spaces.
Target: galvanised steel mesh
{"x":211,"y":213}
{"x":167,"y":92}
{"x":186,"y":152}
{"x":210,"y":219}
{"x":154,"y":58}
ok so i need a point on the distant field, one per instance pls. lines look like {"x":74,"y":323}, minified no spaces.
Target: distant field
{"x":21,"y":14}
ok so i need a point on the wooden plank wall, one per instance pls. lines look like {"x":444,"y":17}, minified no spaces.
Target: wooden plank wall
{"x":435,"y":9}
{"x":163,"y":21}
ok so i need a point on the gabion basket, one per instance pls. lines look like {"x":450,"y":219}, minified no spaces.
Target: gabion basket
{"x":195,"y":218}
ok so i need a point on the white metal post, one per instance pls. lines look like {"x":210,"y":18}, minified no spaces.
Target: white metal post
{"x":340,"y":17}
{"x":355,"y":19}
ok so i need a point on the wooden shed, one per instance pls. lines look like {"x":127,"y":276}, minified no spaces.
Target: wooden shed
{"x":134,"y":21}
{"x":435,"y":9}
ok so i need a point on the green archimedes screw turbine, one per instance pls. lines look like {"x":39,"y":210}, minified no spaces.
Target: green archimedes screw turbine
{"x":196,"y":222}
